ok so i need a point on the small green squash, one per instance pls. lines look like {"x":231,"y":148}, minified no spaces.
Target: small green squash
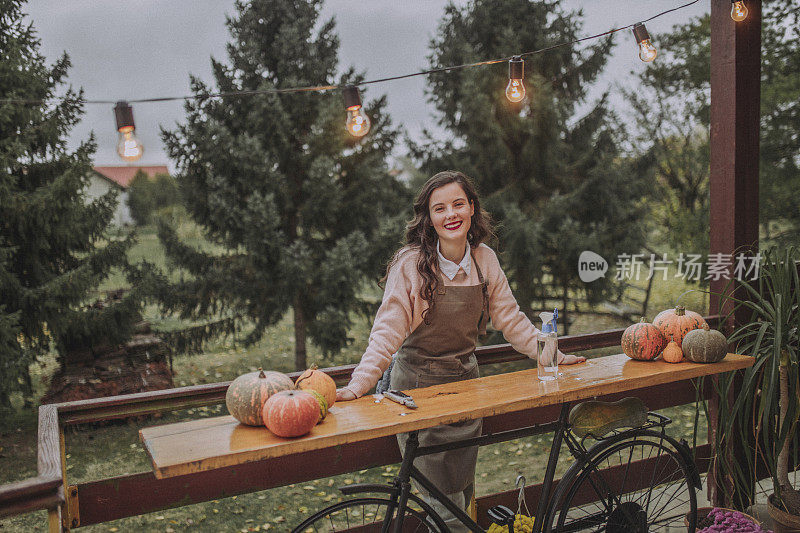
{"x":597,"y":418}
{"x":705,"y":345}
{"x":323,"y":404}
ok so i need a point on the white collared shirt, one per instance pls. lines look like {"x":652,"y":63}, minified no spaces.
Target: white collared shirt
{"x":449,"y":268}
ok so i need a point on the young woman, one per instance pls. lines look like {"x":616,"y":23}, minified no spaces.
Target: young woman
{"x":441,"y":289}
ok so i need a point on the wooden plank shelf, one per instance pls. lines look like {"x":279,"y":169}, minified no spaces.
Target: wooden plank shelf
{"x":210,"y":443}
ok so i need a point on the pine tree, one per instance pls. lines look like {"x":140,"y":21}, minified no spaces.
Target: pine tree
{"x":12,"y":358}
{"x":779,"y":156}
{"x":301,"y":211}
{"x":53,"y":246}
{"x":148,"y":196}
{"x":671,"y":102}
{"x":552,"y":177}
{"x":670,"y":106}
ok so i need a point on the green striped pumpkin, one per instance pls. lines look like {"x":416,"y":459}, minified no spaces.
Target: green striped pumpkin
{"x":247,"y":394}
{"x":643,"y":341}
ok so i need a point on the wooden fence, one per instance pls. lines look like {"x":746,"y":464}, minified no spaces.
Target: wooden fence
{"x":92,"y":502}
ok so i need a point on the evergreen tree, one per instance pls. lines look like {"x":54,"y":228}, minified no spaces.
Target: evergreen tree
{"x":12,"y":358}
{"x":779,"y":156}
{"x":671,"y":103}
{"x":147,"y":196}
{"x":552,"y":177}
{"x":53,"y":249}
{"x":302,"y":211}
{"x":671,"y":111}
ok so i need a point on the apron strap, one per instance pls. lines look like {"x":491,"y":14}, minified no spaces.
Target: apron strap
{"x":440,"y":289}
{"x":485,"y":292}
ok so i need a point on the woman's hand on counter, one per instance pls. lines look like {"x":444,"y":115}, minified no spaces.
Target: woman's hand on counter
{"x":344,"y":395}
{"x":569,"y":359}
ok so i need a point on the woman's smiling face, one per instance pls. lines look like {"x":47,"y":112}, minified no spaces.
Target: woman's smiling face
{"x":450,"y":212}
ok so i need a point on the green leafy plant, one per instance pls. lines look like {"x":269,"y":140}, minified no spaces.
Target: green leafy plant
{"x":149,"y":196}
{"x":766,"y":408}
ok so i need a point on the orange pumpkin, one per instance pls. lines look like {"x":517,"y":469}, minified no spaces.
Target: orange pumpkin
{"x":313,"y":379}
{"x":291,"y":413}
{"x":247,"y":394}
{"x":676,"y":323}
{"x":643,"y":341}
{"x":672,"y":353}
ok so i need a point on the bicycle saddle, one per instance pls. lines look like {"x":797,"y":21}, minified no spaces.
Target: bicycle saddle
{"x":597,"y":418}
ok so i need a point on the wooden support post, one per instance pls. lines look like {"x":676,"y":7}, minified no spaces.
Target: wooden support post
{"x":65,"y":515}
{"x":54,"y":520}
{"x":735,"y":121}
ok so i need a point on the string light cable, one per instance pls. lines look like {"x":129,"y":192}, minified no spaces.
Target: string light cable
{"x":323,"y":88}
{"x":358,"y":123}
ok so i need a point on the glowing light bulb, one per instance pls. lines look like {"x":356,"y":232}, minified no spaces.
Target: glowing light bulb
{"x":739,"y":11}
{"x":357,"y":123}
{"x":515,"y":91}
{"x":647,"y":52}
{"x":129,"y":147}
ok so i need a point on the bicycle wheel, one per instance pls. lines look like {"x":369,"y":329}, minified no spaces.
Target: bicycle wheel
{"x":366,"y":515}
{"x":641,"y":484}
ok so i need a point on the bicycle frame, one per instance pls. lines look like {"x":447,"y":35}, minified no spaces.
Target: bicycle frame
{"x":413,"y":450}
{"x":399,"y":490}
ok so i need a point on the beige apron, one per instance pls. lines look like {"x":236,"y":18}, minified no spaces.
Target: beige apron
{"x":443,"y":351}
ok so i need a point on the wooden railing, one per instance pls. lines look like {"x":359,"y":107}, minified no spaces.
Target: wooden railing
{"x":133,"y":494}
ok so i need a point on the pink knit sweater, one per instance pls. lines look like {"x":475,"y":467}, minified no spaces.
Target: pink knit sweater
{"x":401,"y":312}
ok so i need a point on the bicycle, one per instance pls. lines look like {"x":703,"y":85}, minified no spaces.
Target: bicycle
{"x":606,"y":489}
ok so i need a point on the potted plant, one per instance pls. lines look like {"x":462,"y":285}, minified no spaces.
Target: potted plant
{"x":766,"y":408}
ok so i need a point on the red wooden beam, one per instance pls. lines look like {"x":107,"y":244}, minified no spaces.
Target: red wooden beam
{"x":30,"y":495}
{"x":734,"y":144}
{"x":129,"y":405}
{"x":735,"y":126}
{"x":119,"y":497}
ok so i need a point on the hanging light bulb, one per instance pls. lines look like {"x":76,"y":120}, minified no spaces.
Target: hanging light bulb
{"x":739,"y":11}
{"x":647,"y":52}
{"x":129,"y":147}
{"x":515,"y":91}
{"x":357,"y":121}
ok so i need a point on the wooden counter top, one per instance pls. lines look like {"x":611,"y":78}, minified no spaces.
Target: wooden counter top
{"x":205,"y":444}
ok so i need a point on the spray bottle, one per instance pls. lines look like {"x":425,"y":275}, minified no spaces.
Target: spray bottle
{"x":547,"y":364}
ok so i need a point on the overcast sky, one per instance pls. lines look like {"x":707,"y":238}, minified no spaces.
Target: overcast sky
{"x":147,"y":48}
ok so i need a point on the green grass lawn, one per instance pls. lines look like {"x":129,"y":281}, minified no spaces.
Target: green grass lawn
{"x":95,"y":452}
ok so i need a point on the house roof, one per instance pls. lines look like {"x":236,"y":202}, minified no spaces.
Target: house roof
{"x":123,"y":175}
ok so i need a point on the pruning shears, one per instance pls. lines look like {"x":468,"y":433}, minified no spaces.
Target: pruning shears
{"x":400,"y":397}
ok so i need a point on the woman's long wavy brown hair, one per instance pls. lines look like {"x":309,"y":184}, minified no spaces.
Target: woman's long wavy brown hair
{"x":420,"y":234}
